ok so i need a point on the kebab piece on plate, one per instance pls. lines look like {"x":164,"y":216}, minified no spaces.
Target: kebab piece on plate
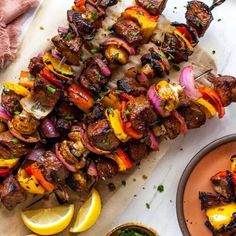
{"x":220,"y":208}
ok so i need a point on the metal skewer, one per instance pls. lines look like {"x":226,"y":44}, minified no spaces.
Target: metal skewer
{"x":216,"y":3}
{"x":203,"y":74}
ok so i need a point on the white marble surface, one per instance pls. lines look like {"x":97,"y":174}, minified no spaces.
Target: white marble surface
{"x":162,"y":212}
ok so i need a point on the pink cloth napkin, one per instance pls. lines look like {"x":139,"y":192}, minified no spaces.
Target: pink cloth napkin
{"x":11,"y":20}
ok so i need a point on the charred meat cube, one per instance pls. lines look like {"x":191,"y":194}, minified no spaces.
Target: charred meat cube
{"x":154,"y":7}
{"x":5,"y":153}
{"x":157,"y":60}
{"x":53,"y":169}
{"x":92,"y":77}
{"x":80,"y":25}
{"x":211,"y":200}
{"x":137,"y":150}
{"x":223,"y":184}
{"x":129,"y":30}
{"x":45,"y":93}
{"x":172,"y":127}
{"x":13,"y":145}
{"x":225,"y":87}
{"x":96,"y":114}
{"x":199,"y":16}
{"x":106,"y":168}
{"x":193,"y":114}
{"x":131,"y":86}
{"x":10,"y":101}
{"x":175,"y":48}
{"x":35,"y":65}
{"x":69,"y":46}
{"x":107,"y":3}
{"x":11,"y":193}
{"x":102,"y":136}
{"x":141,"y":113}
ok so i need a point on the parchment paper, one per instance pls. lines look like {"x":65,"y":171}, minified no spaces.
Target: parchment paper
{"x":51,"y":15}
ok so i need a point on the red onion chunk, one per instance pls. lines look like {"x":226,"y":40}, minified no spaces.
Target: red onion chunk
{"x":186,"y":80}
{"x":103,"y":67}
{"x":120,"y":42}
{"x":62,"y":160}
{"x":153,"y":139}
{"x":155,"y":100}
{"x":48,"y":128}
{"x":4,"y":115}
{"x":92,"y":170}
{"x":143,"y":79}
{"x":36,"y":154}
{"x":62,"y":30}
{"x":55,"y":54}
{"x":181,"y":119}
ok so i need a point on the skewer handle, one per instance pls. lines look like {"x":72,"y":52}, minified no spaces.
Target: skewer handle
{"x":216,"y":3}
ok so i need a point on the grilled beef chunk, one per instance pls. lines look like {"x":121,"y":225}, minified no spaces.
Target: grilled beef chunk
{"x":223,"y":184}
{"x":107,"y":3}
{"x":157,"y":61}
{"x":5,"y":153}
{"x":211,"y":200}
{"x":172,"y":126}
{"x":199,"y":16}
{"x":10,"y":101}
{"x":193,"y":114}
{"x":102,"y":136}
{"x":226,"y":88}
{"x":131,"y":86}
{"x":137,"y":150}
{"x":11,"y":193}
{"x":13,"y":145}
{"x":154,"y":7}
{"x":53,"y":169}
{"x":96,"y":114}
{"x":80,"y":25}
{"x":175,"y":48}
{"x":35,"y":65}
{"x":92,"y":77}
{"x":44,"y":93}
{"x":69,"y":47}
{"x":67,"y":111}
{"x":141,"y":113}
{"x":129,"y":30}
{"x":106,"y":168}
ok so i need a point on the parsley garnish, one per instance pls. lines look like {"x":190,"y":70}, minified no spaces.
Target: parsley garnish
{"x":5,"y":89}
{"x":160,"y":188}
{"x":95,"y":50}
{"x":116,"y":56}
{"x":148,"y":205}
{"x":123,"y":182}
{"x":15,"y":140}
{"x":94,"y":15}
{"x":50,"y":89}
{"x":176,"y":67}
{"x":69,"y":117}
{"x":69,"y":36}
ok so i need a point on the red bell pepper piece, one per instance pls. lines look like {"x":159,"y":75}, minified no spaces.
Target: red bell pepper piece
{"x":125,"y":96}
{"x":224,"y":174}
{"x":81,"y":4}
{"x":131,"y":131}
{"x":80,"y":97}
{"x":4,"y":172}
{"x":37,"y":173}
{"x":185,"y":33}
{"x":212,"y":96}
{"x":123,"y":160}
{"x":47,"y":75}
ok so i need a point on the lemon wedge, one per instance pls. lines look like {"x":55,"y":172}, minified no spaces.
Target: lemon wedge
{"x":48,"y":221}
{"x":88,"y":213}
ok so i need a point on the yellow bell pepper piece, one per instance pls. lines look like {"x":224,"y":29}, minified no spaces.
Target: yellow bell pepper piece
{"x":17,"y":88}
{"x":177,"y":32}
{"x":209,"y":109}
{"x":147,"y":22}
{"x":9,"y":163}
{"x":114,"y":117}
{"x":29,"y":183}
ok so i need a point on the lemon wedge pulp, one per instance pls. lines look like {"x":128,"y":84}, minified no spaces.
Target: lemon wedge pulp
{"x":48,"y":221}
{"x":88,"y":213}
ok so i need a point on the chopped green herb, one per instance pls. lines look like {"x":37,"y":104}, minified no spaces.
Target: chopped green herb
{"x":17,"y":113}
{"x":148,"y":205}
{"x":123,"y":182}
{"x":160,"y":188}
{"x":50,"y":89}
{"x":143,"y":140}
{"x":95,"y":50}
{"x":119,"y":0}
{"x":5,"y":89}
{"x":105,"y":142}
{"x":170,"y":56}
{"x":15,"y":140}
{"x":219,"y":19}
{"x":94,"y":15}
{"x":31,"y":78}
{"x":213,"y":52}
{"x":130,"y":232}
{"x":110,"y":110}
{"x":134,"y":33}
{"x":82,"y":57}
{"x":116,"y":56}
{"x":69,"y":36}
{"x":141,"y":13}
{"x":69,"y":117}
{"x":119,"y":92}
{"x":127,"y":111}
{"x":176,"y":67}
